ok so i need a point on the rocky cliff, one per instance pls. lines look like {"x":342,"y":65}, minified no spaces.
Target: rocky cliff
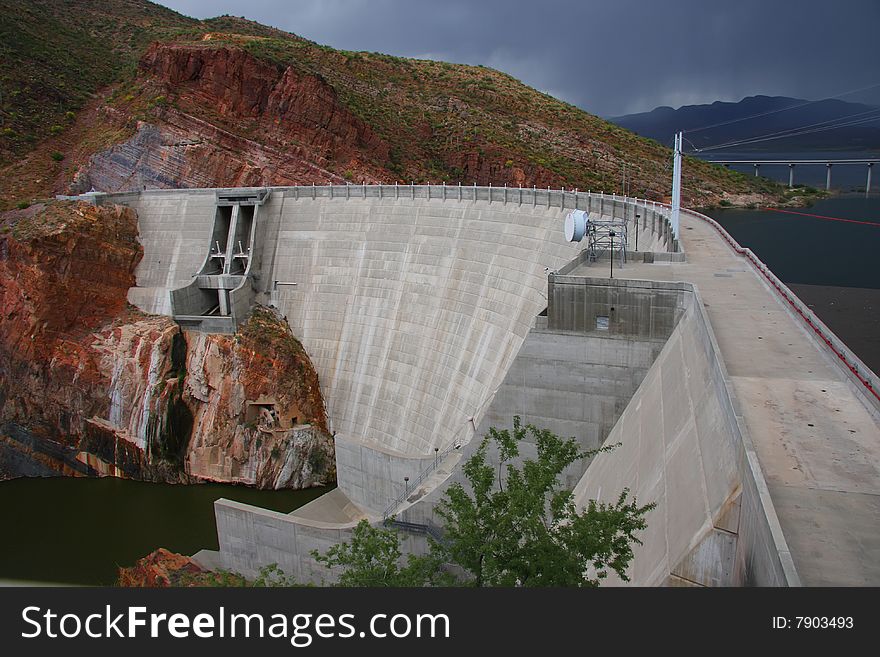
{"x":258,"y":414}
{"x":226,"y":117}
{"x":91,"y":386}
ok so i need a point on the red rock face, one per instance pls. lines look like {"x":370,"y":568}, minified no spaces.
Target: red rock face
{"x":64,"y":266}
{"x":162,"y":569}
{"x":235,"y":85}
{"x":64,"y":271}
{"x":229,"y":119}
{"x":233,"y":120}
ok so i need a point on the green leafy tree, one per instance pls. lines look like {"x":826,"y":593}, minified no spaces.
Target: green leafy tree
{"x":517,"y":526}
{"x":510,"y":526}
{"x":374,"y":558}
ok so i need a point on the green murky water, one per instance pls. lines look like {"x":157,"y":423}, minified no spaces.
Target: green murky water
{"x":77,"y":530}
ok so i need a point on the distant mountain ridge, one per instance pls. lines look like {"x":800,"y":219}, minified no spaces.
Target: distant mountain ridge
{"x":771,"y":114}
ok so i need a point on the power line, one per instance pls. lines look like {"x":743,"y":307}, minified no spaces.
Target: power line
{"x":789,"y":132}
{"x":782,"y":109}
{"x":772,"y":137}
{"x":821,"y":126}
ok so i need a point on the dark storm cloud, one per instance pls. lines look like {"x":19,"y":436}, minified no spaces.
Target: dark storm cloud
{"x":608,"y":56}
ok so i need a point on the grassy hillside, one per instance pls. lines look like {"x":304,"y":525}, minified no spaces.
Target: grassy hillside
{"x":55,"y":54}
{"x":440,"y":121}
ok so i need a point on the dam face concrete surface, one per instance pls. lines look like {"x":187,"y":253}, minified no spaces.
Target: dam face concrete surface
{"x":422,"y":310}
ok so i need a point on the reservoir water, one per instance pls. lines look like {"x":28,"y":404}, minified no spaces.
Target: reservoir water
{"x":78,"y":530}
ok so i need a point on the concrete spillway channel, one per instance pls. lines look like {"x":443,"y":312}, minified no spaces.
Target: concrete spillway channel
{"x":432,"y":313}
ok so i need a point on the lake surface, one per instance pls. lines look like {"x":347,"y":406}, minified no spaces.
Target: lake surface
{"x":810,"y":250}
{"x":831,"y":265}
{"x":78,"y":530}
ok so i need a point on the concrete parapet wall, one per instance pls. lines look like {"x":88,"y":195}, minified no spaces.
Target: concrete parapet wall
{"x":252,"y":538}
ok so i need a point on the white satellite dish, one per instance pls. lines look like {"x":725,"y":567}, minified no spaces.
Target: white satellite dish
{"x":576,"y":225}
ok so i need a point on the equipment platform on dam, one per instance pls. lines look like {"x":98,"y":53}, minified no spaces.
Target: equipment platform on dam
{"x":814,"y":425}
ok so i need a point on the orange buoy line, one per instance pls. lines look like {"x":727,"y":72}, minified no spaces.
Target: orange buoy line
{"x":822,"y":216}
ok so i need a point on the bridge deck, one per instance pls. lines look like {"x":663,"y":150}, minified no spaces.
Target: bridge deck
{"x":817,"y":441}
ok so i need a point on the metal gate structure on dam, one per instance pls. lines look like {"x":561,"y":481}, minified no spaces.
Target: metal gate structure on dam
{"x":434,"y":312}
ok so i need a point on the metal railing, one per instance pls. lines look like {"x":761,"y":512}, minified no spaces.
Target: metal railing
{"x":618,"y":206}
{"x":625,"y":208}
{"x":416,"y":528}
{"x":439,"y":456}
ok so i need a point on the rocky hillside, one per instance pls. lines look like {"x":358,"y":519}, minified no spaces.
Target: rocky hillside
{"x":91,"y":386}
{"x":122,"y":94}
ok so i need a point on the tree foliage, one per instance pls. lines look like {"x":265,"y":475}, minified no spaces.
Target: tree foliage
{"x":373,"y":558}
{"x":517,"y":526}
{"x":513,"y":524}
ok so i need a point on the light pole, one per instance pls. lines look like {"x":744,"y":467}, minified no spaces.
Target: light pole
{"x":611,"y":235}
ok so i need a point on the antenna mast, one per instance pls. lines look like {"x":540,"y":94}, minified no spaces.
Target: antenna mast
{"x":676,"y":182}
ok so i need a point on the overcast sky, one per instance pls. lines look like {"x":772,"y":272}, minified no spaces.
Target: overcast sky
{"x":609,"y":57}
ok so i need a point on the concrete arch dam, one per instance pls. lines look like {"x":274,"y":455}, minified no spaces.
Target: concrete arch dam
{"x":411,"y":303}
{"x":421,"y":308}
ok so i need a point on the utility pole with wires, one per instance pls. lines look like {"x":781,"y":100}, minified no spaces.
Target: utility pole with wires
{"x":676,"y":183}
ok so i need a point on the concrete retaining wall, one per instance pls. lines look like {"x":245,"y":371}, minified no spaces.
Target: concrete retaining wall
{"x":252,"y":538}
{"x":684,"y":446}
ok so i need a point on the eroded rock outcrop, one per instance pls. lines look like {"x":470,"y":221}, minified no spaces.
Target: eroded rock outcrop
{"x":228,"y":118}
{"x":163,"y":568}
{"x":64,"y":272}
{"x":91,"y":386}
{"x":259,"y":415}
